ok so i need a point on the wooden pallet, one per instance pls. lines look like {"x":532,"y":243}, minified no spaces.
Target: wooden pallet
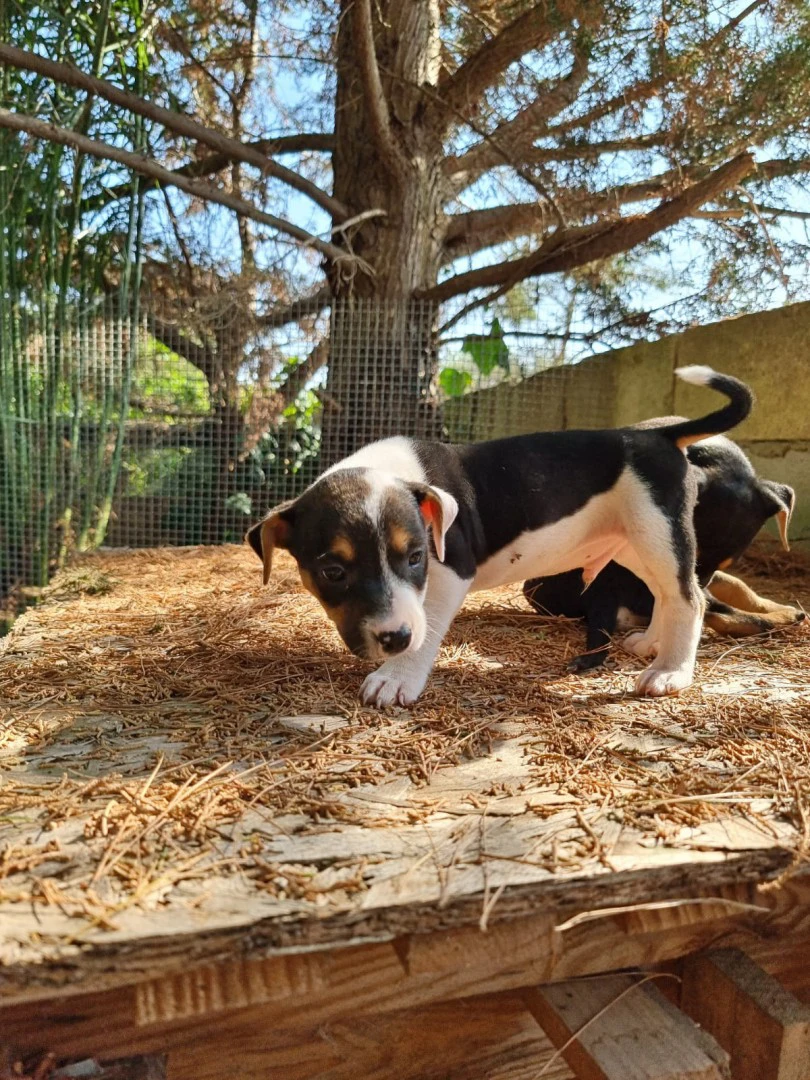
{"x":718,"y":1013}
{"x":438,"y":944}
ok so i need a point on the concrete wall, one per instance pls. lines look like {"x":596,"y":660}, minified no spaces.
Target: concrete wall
{"x":770,"y":351}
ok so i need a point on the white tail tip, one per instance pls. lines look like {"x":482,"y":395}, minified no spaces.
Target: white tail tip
{"x":696,"y":373}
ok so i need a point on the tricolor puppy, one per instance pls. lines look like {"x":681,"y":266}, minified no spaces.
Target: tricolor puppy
{"x":392,"y":539}
{"x":733,"y":505}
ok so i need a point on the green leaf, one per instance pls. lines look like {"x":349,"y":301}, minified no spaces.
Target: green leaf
{"x":454,"y":382}
{"x":240,"y":502}
{"x":488,"y":351}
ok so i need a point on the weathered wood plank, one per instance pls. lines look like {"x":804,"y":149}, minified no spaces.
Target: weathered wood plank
{"x":492,"y":1036}
{"x":618,"y":1028}
{"x":762,"y":1025}
{"x":187,"y":779}
{"x":790,"y":965}
{"x":323,"y":987}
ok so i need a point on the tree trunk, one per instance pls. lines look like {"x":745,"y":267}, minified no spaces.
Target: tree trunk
{"x":382,"y":361}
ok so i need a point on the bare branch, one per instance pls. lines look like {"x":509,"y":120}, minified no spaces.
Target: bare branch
{"x":578,"y":151}
{"x":461,"y":91}
{"x":297,"y":309}
{"x":479,"y":229}
{"x":770,"y":170}
{"x":566,"y":249}
{"x":211,"y":164}
{"x":499,"y":146}
{"x":300,"y":375}
{"x":645,"y":89}
{"x":170,"y":335}
{"x":174,"y":121}
{"x":145,"y":167}
{"x":640,"y":91}
{"x":375,"y":100}
{"x":525,"y":155}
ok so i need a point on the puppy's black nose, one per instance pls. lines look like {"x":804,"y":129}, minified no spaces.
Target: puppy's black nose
{"x":395,"y":641}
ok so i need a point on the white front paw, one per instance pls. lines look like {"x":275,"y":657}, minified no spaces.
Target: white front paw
{"x":392,"y":685}
{"x":656,"y":683}
{"x":641,"y":644}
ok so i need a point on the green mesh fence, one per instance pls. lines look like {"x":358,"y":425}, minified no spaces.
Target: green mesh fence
{"x":184,"y":424}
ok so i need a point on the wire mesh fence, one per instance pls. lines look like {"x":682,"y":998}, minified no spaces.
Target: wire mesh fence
{"x":180,"y":422}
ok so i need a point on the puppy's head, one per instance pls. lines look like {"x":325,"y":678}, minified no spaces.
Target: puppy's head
{"x":361,"y":539}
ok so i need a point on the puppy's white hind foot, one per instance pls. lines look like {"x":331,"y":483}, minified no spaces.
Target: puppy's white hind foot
{"x":393,"y":684}
{"x":654,"y":682}
{"x":641,"y":643}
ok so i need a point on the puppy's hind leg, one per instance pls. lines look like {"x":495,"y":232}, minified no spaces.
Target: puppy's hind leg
{"x":736,"y":594}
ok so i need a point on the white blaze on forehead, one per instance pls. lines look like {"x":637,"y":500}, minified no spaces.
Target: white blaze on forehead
{"x":395,"y":457}
{"x":388,"y":462}
{"x":380,"y":484}
{"x":405,"y":607}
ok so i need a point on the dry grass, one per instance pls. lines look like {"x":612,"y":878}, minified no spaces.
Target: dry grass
{"x":155,"y":713}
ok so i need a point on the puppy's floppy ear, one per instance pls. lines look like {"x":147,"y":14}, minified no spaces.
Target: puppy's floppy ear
{"x":272,"y":532}
{"x":780,"y":500}
{"x":438,"y":509}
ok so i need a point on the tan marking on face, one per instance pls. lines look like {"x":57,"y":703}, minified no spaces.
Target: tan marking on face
{"x":399,"y":539}
{"x":343,"y":548}
{"x":336,"y":614}
{"x":307,"y":582}
{"x":724,"y":565}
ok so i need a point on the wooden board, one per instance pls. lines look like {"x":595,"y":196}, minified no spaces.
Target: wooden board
{"x":186,"y":779}
{"x":621,"y":1028}
{"x":175,"y":1011}
{"x":764,"y":1027}
{"x":493,"y":1036}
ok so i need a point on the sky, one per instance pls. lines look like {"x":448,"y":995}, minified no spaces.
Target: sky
{"x":287,"y":94}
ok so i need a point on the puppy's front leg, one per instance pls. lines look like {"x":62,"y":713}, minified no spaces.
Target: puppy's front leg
{"x":400,"y":680}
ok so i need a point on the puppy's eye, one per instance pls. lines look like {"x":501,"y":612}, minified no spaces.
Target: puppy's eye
{"x":333,"y":573}
{"x":415,"y":558}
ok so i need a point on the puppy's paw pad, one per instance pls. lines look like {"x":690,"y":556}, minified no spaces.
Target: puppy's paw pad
{"x":640,"y":644}
{"x":381,"y":690}
{"x":657,"y":683}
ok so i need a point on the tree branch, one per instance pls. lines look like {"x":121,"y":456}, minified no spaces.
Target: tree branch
{"x":176,"y":122}
{"x":297,"y":309}
{"x":527,"y":125}
{"x":567,"y":249}
{"x":375,"y":100}
{"x":300,"y":375}
{"x":146,"y":167}
{"x":770,"y":170}
{"x":479,"y":229}
{"x":211,"y":164}
{"x":647,"y":88}
{"x":461,"y":91}
{"x":174,"y":338}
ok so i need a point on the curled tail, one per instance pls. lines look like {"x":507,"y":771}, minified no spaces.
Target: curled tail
{"x":739,"y":406}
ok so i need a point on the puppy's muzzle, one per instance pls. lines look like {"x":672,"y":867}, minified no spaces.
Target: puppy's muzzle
{"x":395,"y":641}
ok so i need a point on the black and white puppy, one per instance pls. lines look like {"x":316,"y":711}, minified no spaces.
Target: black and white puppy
{"x":391,"y":539}
{"x":733,"y":505}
